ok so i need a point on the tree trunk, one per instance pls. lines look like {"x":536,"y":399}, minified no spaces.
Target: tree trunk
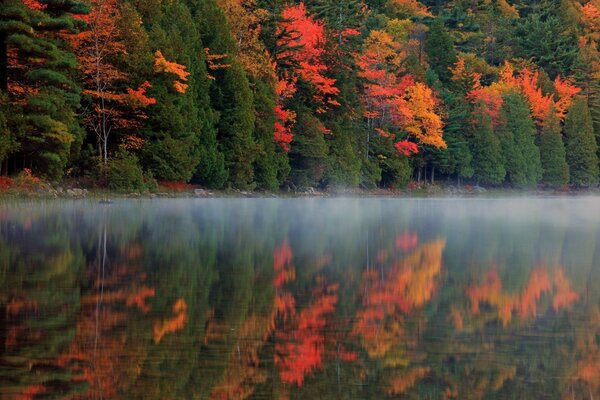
{"x":432,"y":174}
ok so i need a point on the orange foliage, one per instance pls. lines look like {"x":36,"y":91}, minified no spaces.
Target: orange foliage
{"x":565,"y":296}
{"x":523,"y":304}
{"x":410,"y":8}
{"x":566,"y":91}
{"x":409,"y":284}
{"x":402,"y":382}
{"x":138,"y":97}
{"x":391,"y":97}
{"x":527,"y":83}
{"x":245,"y":20}
{"x":171,"y":325}
{"x":244,"y":372}
{"x":590,"y":14}
{"x":161,"y":65}
{"x":423,"y":122}
{"x":214,"y":62}
{"x":139,"y":299}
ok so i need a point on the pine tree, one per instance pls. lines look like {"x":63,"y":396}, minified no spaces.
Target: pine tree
{"x":581,"y":145}
{"x":552,"y":153}
{"x":40,"y":81}
{"x":485,"y":146}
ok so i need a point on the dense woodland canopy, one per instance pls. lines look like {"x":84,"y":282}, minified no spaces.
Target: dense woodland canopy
{"x":264,"y":94}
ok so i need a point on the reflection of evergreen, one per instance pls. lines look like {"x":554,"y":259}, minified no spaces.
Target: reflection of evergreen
{"x":39,"y":301}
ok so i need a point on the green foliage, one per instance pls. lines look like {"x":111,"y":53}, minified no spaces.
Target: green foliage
{"x":581,"y":145}
{"x":486,"y":148}
{"x":440,"y":50}
{"x":123,"y":173}
{"x":308,"y":155}
{"x":552,"y":152}
{"x":517,"y":133}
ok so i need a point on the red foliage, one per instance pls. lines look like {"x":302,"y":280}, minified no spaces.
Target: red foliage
{"x":176,"y":186}
{"x":407,"y":241}
{"x":283,"y":127}
{"x":307,"y":47}
{"x":6,"y":183}
{"x":301,"y":343}
{"x":491,"y":98}
{"x":34,"y":5}
{"x":407,"y":148}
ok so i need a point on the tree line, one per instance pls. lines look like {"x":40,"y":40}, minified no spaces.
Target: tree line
{"x":259,"y":94}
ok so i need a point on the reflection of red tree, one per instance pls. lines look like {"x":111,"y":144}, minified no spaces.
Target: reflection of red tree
{"x":407,"y":241}
{"x":301,"y":341}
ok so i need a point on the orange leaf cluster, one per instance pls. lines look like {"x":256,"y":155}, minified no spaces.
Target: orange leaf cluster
{"x":409,"y":284}
{"x":214,"y":62}
{"x":171,"y":325}
{"x":524,"y":304}
{"x":138,"y":97}
{"x":410,"y":8}
{"x":523,"y":81}
{"x":391,"y":97}
{"x":161,"y":65}
{"x":402,"y":382}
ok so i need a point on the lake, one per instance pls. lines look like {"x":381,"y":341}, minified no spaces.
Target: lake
{"x":300,"y":298}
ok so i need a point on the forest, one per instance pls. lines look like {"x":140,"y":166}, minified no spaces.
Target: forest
{"x":271,"y":94}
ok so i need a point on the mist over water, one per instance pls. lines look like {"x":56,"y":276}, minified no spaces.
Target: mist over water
{"x":301,"y":298}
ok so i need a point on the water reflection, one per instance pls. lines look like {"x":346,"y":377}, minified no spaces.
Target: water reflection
{"x":233,"y":299}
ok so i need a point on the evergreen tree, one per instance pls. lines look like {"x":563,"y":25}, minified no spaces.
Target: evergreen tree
{"x":455,"y":159}
{"x":552,"y":153}
{"x":231,"y":97}
{"x":517,"y":132}
{"x":485,"y":146}
{"x":172,"y":147}
{"x":308,"y":154}
{"x":43,"y":91}
{"x":440,"y":50}
{"x":581,"y":145}
{"x":587,"y":75}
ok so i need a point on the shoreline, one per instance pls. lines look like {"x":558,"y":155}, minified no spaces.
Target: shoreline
{"x":424,"y":191}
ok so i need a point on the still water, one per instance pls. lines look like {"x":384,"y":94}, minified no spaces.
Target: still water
{"x":300,"y":298}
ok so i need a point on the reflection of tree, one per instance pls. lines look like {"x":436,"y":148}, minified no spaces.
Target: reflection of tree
{"x":408,"y":285}
{"x":524,"y":304}
{"x":39,"y":301}
{"x":387,"y":324}
{"x":106,"y":356}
